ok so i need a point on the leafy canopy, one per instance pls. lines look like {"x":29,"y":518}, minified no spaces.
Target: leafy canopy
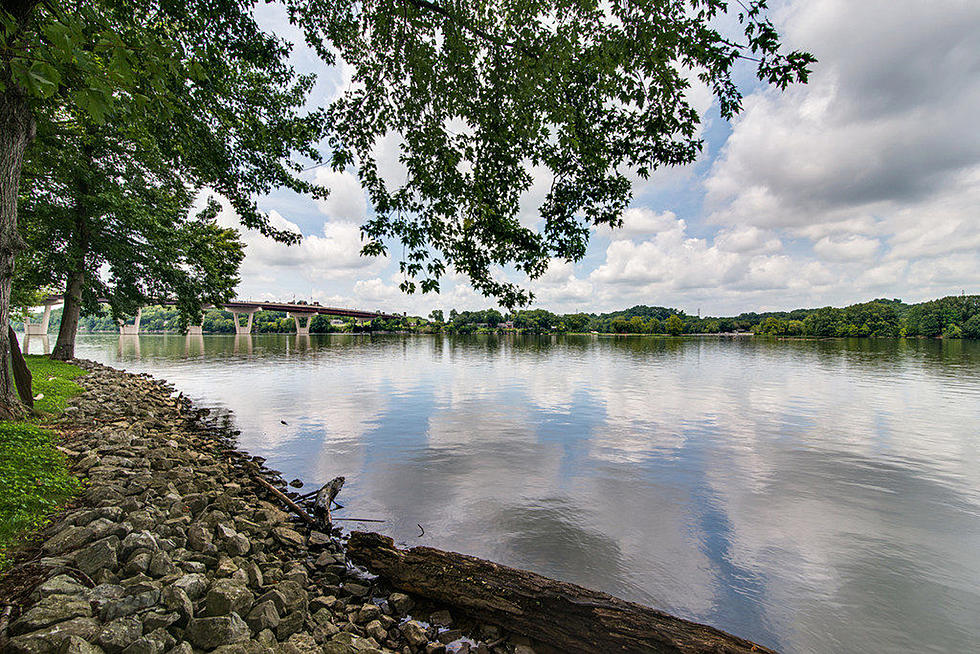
{"x":216,"y":92}
{"x":479,"y":94}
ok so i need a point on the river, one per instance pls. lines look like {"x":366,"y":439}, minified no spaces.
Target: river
{"x":812,"y":496}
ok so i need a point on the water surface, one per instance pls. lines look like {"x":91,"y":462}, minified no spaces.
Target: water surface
{"x":812,"y":496}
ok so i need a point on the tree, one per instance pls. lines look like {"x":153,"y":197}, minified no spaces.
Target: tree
{"x":476,"y":94}
{"x":674,"y":325}
{"x":971,"y":328}
{"x":100,"y":197}
{"x":216,"y":90}
{"x":436,"y":315}
{"x":824,"y":322}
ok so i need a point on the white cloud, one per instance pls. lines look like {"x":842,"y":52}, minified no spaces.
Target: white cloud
{"x":346,"y":200}
{"x":748,"y":239}
{"x":849,"y":248}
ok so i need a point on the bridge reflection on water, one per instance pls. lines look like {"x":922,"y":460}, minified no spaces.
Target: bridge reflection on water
{"x":129,"y":344}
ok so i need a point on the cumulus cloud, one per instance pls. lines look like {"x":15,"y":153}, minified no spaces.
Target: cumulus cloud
{"x":748,"y":238}
{"x":846,"y":248}
{"x":887,"y":123}
{"x":346,"y":200}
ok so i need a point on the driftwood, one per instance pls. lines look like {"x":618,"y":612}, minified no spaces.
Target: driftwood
{"x":293,"y":506}
{"x":562,"y":615}
{"x":324,"y":498}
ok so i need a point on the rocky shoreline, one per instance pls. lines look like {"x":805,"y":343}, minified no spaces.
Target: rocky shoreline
{"x":173,"y":548}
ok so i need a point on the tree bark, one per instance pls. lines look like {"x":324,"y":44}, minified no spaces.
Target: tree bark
{"x":562,"y":615}
{"x":64,"y":348}
{"x":16,"y":132}
{"x":22,"y":374}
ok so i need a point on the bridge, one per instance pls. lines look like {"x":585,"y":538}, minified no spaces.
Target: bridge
{"x":302,"y":313}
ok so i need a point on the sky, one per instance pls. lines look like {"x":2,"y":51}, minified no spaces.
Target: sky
{"x":864,"y":183}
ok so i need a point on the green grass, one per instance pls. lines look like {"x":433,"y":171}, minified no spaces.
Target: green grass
{"x":34,"y":477}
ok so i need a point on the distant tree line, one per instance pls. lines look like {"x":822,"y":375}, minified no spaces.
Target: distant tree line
{"x":955,"y":316}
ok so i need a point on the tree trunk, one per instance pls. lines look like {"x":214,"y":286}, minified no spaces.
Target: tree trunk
{"x":16,"y":132}
{"x":64,"y":348}
{"x":22,"y":374}
{"x":562,"y":615}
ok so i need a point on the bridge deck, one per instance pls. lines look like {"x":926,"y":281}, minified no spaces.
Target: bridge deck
{"x":289,"y":307}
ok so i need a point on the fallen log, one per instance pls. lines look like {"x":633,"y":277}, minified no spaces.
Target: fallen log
{"x":565,"y":616}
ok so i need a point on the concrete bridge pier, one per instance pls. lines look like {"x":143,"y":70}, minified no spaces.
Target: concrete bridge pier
{"x":195,"y":330}
{"x":131,"y":330}
{"x":45,"y":343}
{"x":302,"y":328}
{"x":239,"y":327}
{"x":38,"y":328}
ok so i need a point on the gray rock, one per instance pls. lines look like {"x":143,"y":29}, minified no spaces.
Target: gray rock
{"x":300,"y":644}
{"x":318,"y":539}
{"x":367,"y":613}
{"x":229,"y":596}
{"x":61,"y":585}
{"x":139,"y":597}
{"x":153,"y":620}
{"x":288,"y":537}
{"x":193,"y":584}
{"x":263,"y":616}
{"x":199,"y":538}
{"x":138,"y":564}
{"x":77,"y":645}
{"x":276,"y":597}
{"x":299,"y":576}
{"x":237,"y":545}
{"x":266,"y":638}
{"x":104,"y":594}
{"x":120,"y":634}
{"x":51,"y":638}
{"x":209,"y":633}
{"x":295,"y":596}
{"x":290,"y":624}
{"x":441,"y":618}
{"x":176,"y":599}
{"x":160,"y":565}
{"x":375,"y":630}
{"x":142,"y":540}
{"x":346,"y":643}
{"x":401,"y":603}
{"x":357,"y":590}
{"x":100,"y":555}
{"x":414,"y":633}
{"x":254,"y":574}
{"x":51,"y":610}
{"x":66,"y":540}
{"x":145,"y":645}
